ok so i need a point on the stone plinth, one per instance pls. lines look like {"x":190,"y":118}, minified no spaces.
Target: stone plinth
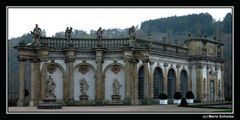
{"x":49,"y":104}
{"x":83,"y":97}
{"x":116,"y":97}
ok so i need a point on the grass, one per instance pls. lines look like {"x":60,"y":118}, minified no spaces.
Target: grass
{"x":224,"y":110}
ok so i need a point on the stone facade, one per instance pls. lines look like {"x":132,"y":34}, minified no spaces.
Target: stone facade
{"x":135,"y":64}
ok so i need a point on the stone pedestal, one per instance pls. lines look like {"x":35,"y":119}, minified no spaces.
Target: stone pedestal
{"x":116,"y":97}
{"x":49,"y":103}
{"x":83,"y":98}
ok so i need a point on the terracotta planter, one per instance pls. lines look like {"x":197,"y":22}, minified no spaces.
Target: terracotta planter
{"x":177,"y":101}
{"x":163,"y":102}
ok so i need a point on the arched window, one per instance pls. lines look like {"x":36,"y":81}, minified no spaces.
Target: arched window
{"x":141,"y":83}
{"x":183,"y":82}
{"x":158,"y":82}
{"x":171,"y":83}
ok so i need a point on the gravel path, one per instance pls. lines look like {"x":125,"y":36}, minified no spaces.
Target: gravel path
{"x":114,"y":109}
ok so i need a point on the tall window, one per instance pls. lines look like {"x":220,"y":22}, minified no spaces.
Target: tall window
{"x":171,"y":83}
{"x":141,"y":83}
{"x":212,"y":90}
{"x":158,"y":82}
{"x":184,"y":82}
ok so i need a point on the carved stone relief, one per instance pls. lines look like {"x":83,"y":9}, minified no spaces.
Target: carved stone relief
{"x":116,"y":87}
{"x":83,"y":69}
{"x":83,"y":87}
{"x":115,"y":69}
{"x":52,"y":68}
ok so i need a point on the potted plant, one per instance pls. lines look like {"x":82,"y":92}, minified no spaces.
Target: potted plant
{"x":189,"y":96}
{"x":163,"y":98}
{"x":177,"y":97}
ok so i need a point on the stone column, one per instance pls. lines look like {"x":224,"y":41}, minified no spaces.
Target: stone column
{"x":99,"y":81}
{"x":127,"y":55}
{"x":44,"y":78}
{"x":20,"y":101}
{"x":146,"y":85}
{"x":178,"y":78}
{"x":199,"y":78}
{"x":134,"y":80}
{"x":222,"y":81}
{"x":165,"y":78}
{"x":190,"y":78}
{"x":35,"y":82}
{"x":150,"y":93}
{"x":69,"y":93}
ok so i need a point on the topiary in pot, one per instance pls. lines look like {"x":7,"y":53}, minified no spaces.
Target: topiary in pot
{"x":177,"y":95}
{"x":163,"y":96}
{"x":189,"y":95}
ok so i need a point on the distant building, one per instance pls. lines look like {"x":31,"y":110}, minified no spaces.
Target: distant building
{"x":122,"y":70}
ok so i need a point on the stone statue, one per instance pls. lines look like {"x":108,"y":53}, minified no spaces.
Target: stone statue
{"x":132,"y":32}
{"x":84,"y":87}
{"x":68,"y":33}
{"x":99,"y":33}
{"x":50,"y":88}
{"x":116,"y":87}
{"x":36,"y":31}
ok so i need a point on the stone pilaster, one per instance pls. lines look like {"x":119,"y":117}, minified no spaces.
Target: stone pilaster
{"x":134,"y":82}
{"x":146,"y":82}
{"x":44,"y":79}
{"x":199,"y":78}
{"x":35,"y":82}
{"x":69,"y":90}
{"x":127,"y":56}
{"x":165,"y":78}
{"x":222,"y":81}
{"x":190,"y":78}
{"x":20,"y":101}
{"x":99,"y":80}
{"x":150,"y":93}
{"x":178,"y":78}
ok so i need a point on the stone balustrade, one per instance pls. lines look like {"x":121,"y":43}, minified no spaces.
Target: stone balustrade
{"x":111,"y":43}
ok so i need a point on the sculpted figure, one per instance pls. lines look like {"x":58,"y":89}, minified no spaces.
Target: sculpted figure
{"x":116,"y":87}
{"x":36,"y":31}
{"x":84,"y":86}
{"x":68,"y":33}
{"x":51,"y":86}
{"x":132,"y":32}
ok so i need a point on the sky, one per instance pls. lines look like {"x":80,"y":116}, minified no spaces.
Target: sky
{"x":52,"y":20}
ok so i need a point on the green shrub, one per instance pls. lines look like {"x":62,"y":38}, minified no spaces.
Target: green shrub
{"x":183,"y":102}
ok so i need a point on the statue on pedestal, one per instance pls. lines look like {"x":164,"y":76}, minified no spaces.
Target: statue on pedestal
{"x":84,"y":87}
{"x":132,"y":33}
{"x":68,"y":33}
{"x":116,"y":87}
{"x":99,"y":36}
{"x":36,"y":35}
{"x":50,"y":88}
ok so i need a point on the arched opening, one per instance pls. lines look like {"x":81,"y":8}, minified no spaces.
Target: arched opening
{"x":158,"y":82}
{"x":171,"y":83}
{"x":141,"y":83}
{"x":183,"y":82}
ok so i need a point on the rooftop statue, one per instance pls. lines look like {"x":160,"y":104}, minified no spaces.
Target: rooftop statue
{"x":132,"y":32}
{"x":36,"y":31}
{"x":68,"y":33}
